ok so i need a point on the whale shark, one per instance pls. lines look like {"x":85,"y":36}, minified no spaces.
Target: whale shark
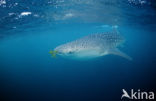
{"x":92,"y":46}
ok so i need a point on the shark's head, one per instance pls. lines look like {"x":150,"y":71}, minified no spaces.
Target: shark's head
{"x":65,"y":50}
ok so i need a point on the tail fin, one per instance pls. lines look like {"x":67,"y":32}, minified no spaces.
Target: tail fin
{"x":119,"y":53}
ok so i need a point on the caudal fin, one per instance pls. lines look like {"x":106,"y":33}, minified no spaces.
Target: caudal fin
{"x":119,"y":53}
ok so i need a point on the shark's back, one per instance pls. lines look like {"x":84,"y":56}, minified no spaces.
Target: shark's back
{"x":105,"y":40}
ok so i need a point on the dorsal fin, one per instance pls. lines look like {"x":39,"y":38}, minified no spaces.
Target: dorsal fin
{"x":115,"y":30}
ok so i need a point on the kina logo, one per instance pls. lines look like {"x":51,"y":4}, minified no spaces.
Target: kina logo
{"x":137,"y":94}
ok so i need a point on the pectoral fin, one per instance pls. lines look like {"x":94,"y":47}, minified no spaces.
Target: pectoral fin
{"x":119,"y":53}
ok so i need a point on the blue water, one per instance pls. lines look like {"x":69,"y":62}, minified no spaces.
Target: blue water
{"x":29,"y":29}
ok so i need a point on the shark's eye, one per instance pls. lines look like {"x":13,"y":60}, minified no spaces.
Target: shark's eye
{"x":70,"y":52}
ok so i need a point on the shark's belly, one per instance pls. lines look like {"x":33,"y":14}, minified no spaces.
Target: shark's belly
{"x":88,"y":53}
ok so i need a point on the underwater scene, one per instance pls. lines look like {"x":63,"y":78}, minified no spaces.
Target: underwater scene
{"x":77,"y":50}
